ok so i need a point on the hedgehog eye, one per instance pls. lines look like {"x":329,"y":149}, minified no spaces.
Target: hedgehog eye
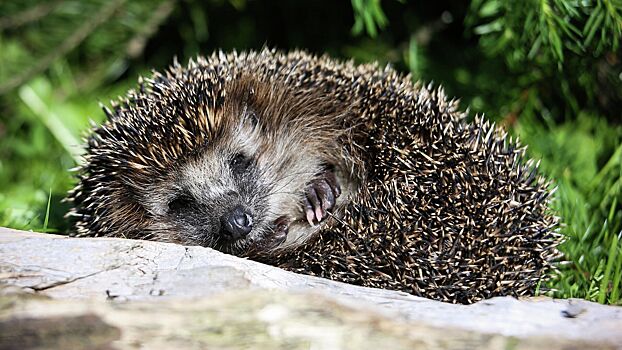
{"x":181,"y":202}
{"x":239,"y":163}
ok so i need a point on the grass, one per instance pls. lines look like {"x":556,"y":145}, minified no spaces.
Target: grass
{"x":583,"y":156}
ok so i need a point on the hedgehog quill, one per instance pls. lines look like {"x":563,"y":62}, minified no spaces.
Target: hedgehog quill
{"x":349,"y":172}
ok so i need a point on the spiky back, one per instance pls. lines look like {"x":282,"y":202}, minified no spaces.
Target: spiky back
{"x":457,"y":217}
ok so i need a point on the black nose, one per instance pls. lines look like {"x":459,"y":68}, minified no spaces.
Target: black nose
{"x":237,"y":223}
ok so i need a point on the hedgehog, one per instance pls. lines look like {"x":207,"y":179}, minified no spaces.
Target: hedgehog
{"x":349,"y":172}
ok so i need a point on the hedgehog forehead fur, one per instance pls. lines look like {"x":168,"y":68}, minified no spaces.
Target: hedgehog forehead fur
{"x":431,"y":204}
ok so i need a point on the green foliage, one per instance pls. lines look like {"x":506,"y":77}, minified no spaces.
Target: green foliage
{"x":602,"y":30}
{"x":585,"y":159}
{"x":545,"y":30}
{"x":548,"y":70}
{"x":368,"y":14}
{"x":566,"y":49}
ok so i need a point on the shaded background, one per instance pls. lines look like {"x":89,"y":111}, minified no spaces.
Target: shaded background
{"x":548,"y":71}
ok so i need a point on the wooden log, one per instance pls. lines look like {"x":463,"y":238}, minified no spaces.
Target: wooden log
{"x":125,"y":292}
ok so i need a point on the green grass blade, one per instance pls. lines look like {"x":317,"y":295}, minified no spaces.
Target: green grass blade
{"x":51,"y":120}
{"x":605,"y":282}
{"x":47,"y":212}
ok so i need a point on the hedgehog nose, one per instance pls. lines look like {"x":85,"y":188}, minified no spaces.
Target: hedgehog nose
{"x":237,"y":223}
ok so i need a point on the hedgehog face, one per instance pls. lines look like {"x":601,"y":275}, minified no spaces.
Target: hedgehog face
{"x":216,"y":199}
{"x":235,"y":193}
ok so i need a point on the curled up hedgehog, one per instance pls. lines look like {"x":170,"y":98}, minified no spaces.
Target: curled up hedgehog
{"x":349,"y":172}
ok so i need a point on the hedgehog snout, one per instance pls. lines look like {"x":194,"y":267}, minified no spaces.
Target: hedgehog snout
{"x":236,"y":224}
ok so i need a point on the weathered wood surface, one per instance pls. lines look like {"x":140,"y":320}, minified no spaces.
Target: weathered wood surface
{"x":169,"y":295}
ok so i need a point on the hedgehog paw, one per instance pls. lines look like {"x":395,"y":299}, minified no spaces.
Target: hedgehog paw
{"x":320,"y":197}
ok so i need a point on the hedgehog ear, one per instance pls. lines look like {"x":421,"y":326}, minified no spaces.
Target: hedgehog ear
{"x":242,"y":100}
{"x":249,"y":114}
{"x":250,"y":117}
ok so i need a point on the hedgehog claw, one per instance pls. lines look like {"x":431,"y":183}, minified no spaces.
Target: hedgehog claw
{"x":309,"y":212}
{"x":321,"y":197}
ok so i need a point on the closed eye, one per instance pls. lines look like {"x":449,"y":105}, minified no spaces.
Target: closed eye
{"x":181,"y":202}
{"x":239,"y":163}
